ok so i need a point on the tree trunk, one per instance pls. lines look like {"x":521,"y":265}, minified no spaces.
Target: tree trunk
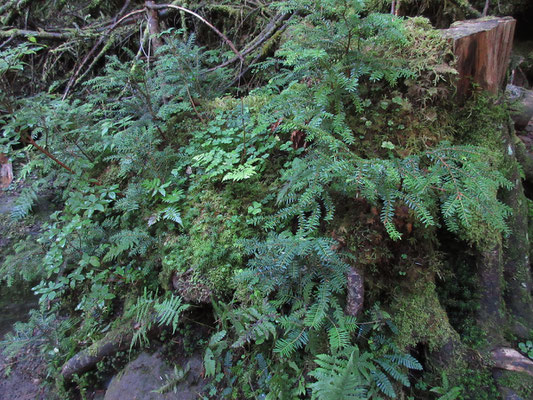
{"x":517,"y":271}
{"x":6,"y":171}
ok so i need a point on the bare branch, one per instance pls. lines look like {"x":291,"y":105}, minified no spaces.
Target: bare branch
{"x":38,"y":34}
{"x":186,"y":10}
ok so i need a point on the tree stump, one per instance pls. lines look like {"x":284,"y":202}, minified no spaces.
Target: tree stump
{"x":6,"y":171}
{"x":482,"y":48}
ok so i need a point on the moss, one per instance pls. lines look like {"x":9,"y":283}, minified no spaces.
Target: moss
{"x":420,"y":317}
{"x":520,"y":382}
{"x":477,"y":384}
{"x":208,"y":250}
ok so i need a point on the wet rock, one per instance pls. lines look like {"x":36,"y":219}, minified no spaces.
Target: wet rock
{"x":522,"y":105}
{"x":147,"y":373}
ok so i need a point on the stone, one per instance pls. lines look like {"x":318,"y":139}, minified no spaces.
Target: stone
{"x":521,"y":105}
{"x":147,"y":373}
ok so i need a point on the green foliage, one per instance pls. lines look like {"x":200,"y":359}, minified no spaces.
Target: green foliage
{"x":526,"y":348}
{"x":174,"y":186}
{"x":477,"y":384}
{"x":350,"y":374}
{"x":446,"y":392}
{"x":149,"y":310}
{"x":24,"y":203}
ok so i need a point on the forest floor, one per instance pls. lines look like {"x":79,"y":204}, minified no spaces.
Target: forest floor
{"x":20,"y":378}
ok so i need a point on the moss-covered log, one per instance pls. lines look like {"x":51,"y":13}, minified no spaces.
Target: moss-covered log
{"x":88,"y":357}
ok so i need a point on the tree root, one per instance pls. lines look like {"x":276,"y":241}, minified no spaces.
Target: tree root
{"x":89,"y":357}
{"x":511,"y":360}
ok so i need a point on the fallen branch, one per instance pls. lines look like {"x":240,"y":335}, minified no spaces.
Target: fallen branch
{"x":511,"y":360}
{"x":37,"y":34}
{"x":89,"y":357}
{"x":28,"y":139}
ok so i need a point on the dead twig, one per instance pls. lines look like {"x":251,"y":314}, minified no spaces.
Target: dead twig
{"x":259,"y":40}
{"x":38,"y":34}
{"x":186,"y":10}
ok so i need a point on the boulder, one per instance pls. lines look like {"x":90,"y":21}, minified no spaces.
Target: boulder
{"x":511,"y":360}
{"x":521,"y":105}
{"x":149,"y":372}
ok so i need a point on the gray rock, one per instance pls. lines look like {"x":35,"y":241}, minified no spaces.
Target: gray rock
{"x":521,"y":105}
{"x":148,"y":372}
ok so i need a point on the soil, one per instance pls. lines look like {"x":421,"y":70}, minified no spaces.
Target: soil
{"x":25,"y":374}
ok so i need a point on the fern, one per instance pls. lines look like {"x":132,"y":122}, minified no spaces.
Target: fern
{"x":148,"y":310}
{"x":169,"y":311}
{"x":339,"y":377}
{"x":349,"y":373}
{"x":24,"y":203}
{"x":173,"y":380}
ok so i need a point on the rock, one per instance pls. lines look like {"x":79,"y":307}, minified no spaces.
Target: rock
{"x":482,"y":48}
{"x":509,"y":394}
{"x":148,"y":372}
{"x":522,"y":105}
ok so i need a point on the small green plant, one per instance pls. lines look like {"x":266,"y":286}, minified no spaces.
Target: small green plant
{"x":526,"y":348}
{"x":445,"y":392}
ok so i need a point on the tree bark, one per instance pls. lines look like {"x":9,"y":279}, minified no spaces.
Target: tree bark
{"x":6,"y":171}
{"x":482,"y":48}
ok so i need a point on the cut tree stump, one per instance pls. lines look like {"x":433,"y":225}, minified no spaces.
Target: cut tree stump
{"x":482,"y":48}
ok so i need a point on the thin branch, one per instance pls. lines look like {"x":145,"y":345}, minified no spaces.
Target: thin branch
{"x":486,"y":8}
{"x":193,"y":105}
{"x":186,"y":10}
{"x":38,"y":34}
{"x":28,"y":139}
{"x":259,"y":40}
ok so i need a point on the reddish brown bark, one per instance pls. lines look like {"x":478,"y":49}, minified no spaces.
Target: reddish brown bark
{"x":6,"y":171}
{"x":482,"y":48}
